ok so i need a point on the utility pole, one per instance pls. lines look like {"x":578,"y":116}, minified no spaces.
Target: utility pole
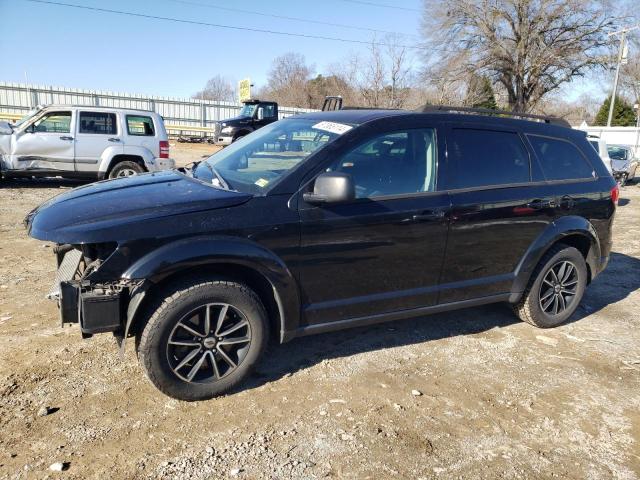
{"x":623,"y":38}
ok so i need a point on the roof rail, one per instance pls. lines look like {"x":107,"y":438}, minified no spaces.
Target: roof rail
{"x":561,"y":122}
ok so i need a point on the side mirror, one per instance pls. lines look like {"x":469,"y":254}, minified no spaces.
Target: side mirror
{"x":30,"y":129}
{"x":260,"y":113}
{"x":331,"y":187}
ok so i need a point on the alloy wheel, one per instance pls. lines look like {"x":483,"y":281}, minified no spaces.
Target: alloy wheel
{"x":126,"y":172}
{"x":208,"y":343}
{"x":559,"y":288}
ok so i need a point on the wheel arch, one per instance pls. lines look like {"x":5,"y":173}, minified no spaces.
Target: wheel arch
{"x":574,"y":231}
{"x":122,"y":157}
{"x":221,"y":258}
{"x":242,"y":133}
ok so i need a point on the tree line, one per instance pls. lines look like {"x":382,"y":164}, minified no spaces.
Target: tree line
{"x":517,"y":55}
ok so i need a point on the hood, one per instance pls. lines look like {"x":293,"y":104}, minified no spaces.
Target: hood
{"x":234,"y":121}
{"x":5,"y":128}
{"x":619,"y":165}
{"x":105,"y":211}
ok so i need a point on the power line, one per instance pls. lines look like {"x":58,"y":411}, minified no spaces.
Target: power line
{"x":374,"y":4}
{"x":219,"y":25}
{"x":285,"y":17}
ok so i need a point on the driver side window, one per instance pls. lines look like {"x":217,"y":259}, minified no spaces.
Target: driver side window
{"x":394,"y":163}
{"x":54,"y":122}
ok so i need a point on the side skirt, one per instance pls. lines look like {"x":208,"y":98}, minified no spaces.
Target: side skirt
{"x":386,"y":317}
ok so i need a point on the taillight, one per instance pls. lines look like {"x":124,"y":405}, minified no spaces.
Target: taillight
{"x":164,"y":149}
{"x":615,"y":194}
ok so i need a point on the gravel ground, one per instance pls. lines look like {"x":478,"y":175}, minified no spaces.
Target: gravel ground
{"x":467,"y":394}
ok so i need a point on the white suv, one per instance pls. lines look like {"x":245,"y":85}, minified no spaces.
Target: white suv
{"x":84,"y":142}
{"x":601,"y":147}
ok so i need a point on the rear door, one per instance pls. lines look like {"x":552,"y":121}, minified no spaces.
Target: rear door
{"x":46,"y":145}
{"x":381,"y":253}
{"x":500,"y":204}
{"x":96,"y":132}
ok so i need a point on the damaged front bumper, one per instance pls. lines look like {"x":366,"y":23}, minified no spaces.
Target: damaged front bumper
{"x":97,"y":307}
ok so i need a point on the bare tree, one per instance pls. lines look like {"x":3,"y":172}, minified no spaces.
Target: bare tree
{"x":217,"y":88}
{"x":381,"y":77}
{"x":287,"y":81}
{"x":531,"y":47}
{"x":399,"y":72}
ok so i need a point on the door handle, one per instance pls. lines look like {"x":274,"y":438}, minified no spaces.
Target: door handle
{"x":426,"y":217}
{"x":114,"y":139}
{"x":540,"y":204}
{"x":66,"y":138}
{"x":567,"y":202}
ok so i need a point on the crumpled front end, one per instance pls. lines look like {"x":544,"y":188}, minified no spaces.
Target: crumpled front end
{"x":86,"y":297}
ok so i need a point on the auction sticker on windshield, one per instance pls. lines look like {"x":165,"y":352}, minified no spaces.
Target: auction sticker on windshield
{"x":332,"y":127}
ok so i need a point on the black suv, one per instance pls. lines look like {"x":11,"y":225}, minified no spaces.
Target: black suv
{"x":325,"y":221}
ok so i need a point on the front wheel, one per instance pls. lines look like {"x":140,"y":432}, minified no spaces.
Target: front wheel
{"x":203,"y":340}
{"x":555,"y":289}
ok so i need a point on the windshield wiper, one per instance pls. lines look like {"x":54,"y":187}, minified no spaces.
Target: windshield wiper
{"x":223,"y":183}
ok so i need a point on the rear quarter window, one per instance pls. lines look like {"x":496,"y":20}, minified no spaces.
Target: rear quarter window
{"x":140,"y":125}
{"x":560,"y":159}
{"x":478,"y":158}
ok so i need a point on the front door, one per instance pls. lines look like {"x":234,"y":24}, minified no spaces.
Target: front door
{"x":46,"y":145}
{"x":96,"y":132}
{"x":383,"y":252}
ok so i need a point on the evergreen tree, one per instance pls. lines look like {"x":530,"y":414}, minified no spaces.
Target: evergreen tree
{"x":623,"y":114}
{"x":480,"y":93}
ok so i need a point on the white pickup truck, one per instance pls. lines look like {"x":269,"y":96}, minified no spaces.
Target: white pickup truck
{"x":84,"y":142}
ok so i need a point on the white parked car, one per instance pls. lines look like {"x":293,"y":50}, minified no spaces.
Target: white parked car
{"x":84,"y":142}
{"x":601,"y":147}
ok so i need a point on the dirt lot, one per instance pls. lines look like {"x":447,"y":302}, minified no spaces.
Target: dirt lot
{"x":495,"y":398}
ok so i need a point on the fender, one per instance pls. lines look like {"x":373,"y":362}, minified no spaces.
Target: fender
{"x":555,"y":231}
{"x":106,"y":157}
{"x":199,"y":252}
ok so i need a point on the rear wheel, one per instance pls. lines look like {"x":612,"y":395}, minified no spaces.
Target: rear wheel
{"x":556,"y":288}
{"x":125,"y":168}
{"x":203,"y":340}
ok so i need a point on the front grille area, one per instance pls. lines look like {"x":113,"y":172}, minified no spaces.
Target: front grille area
{"x":216,"y":130}
{"x":67,"y":270}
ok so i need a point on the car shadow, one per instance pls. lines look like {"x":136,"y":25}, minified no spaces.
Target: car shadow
{"x":617,"y":282}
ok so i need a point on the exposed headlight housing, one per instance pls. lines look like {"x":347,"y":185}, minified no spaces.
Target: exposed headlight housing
{"x":226,"y":129}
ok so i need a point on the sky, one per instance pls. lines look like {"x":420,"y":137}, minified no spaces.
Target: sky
{"x":69,"y":47}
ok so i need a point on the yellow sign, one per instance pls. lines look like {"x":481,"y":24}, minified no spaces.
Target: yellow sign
{"x":244,"y":89}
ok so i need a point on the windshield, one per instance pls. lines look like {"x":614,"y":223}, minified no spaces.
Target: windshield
{"x":617,"y":153}
{"x":29,"y":114}
{"x":255,"y":163}
{"x":594,"y":144}
{"x":248,"y":110}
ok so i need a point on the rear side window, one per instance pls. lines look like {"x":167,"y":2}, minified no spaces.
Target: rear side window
{"x":98,"y":122}
{"x":478,"y":158}
{"x":559,"y":159}
{"x":140,"y":125}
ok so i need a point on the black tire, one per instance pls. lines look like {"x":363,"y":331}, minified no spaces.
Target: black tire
{"x":159,"y":358}
{"x":125,"y":168}
{"x":530,"y":307}
{"x":238,"y":137}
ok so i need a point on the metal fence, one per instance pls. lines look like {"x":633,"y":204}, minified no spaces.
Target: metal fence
{"x":179,"y":113}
